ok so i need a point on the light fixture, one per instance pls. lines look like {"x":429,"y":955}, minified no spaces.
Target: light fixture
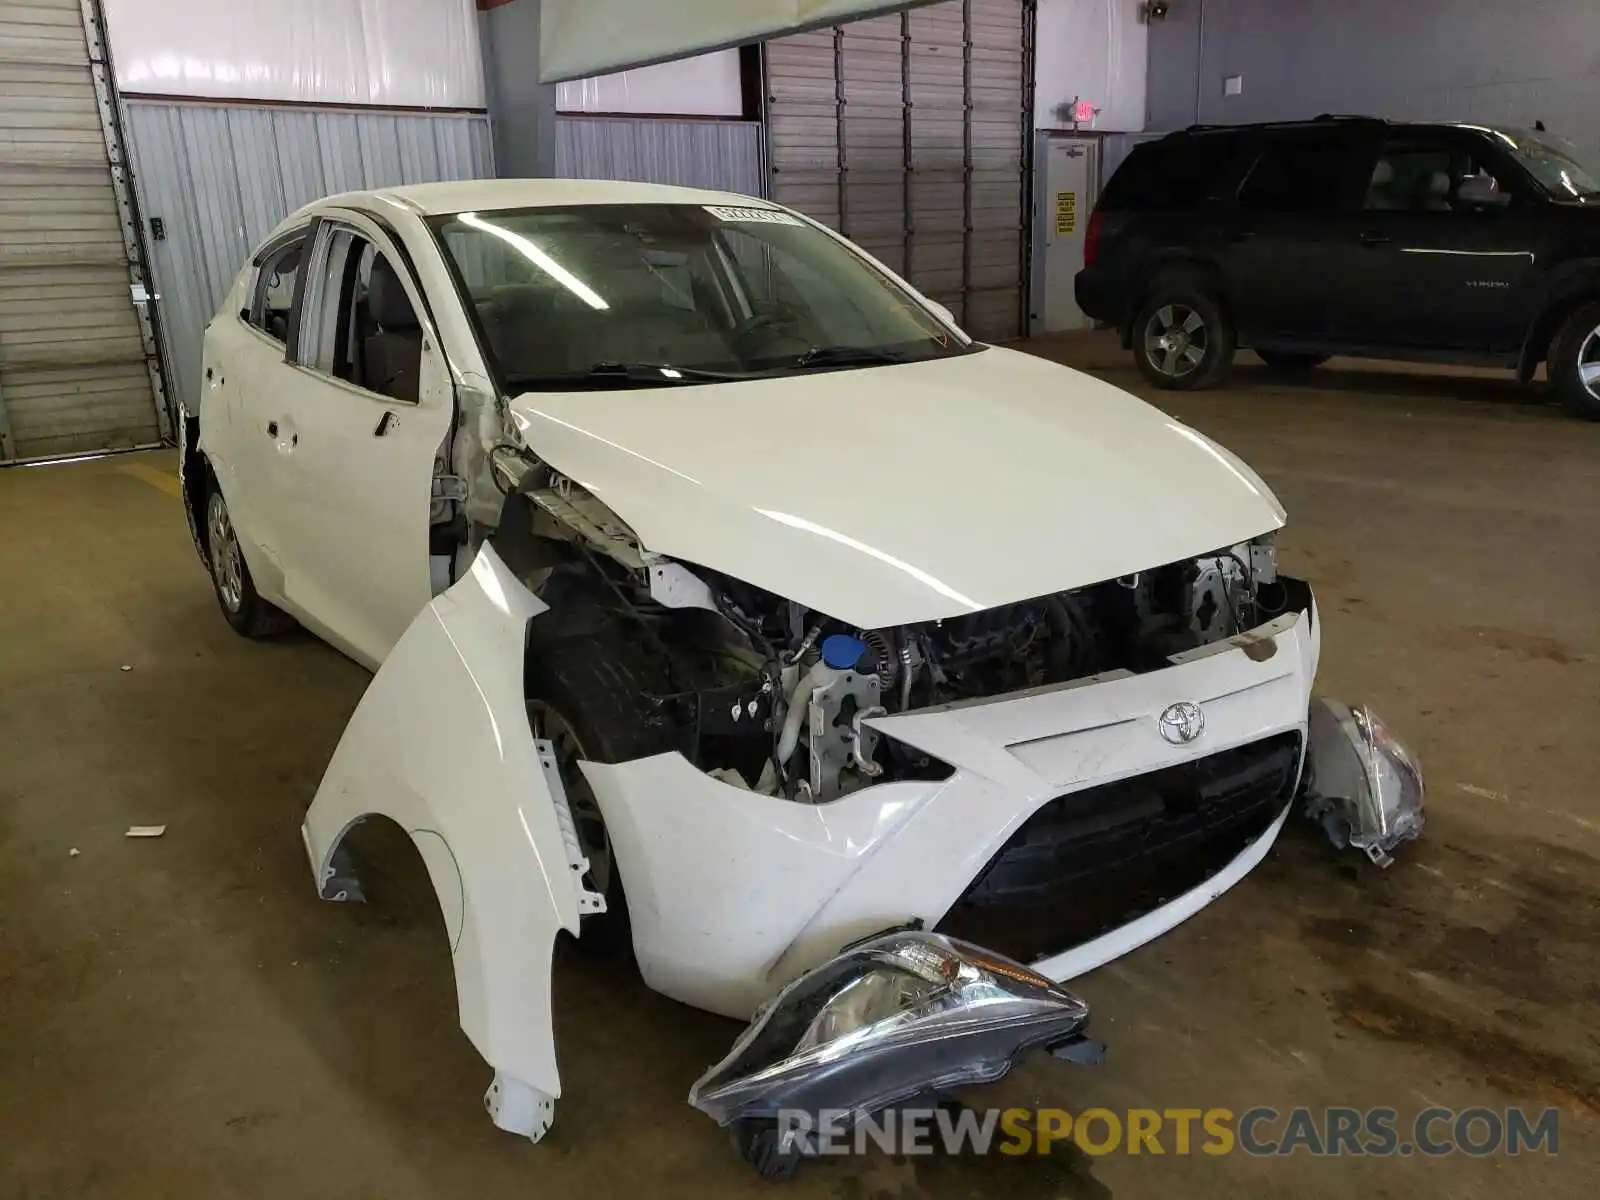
{"x":538,"y":258}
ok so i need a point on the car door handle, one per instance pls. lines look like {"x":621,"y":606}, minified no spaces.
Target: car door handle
{"x":1241,"y":235}
{"x":1372,"y":237}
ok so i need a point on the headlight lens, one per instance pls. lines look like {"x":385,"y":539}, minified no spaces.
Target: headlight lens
{"x":1364,"y":785}
{"x":896,"y":1016}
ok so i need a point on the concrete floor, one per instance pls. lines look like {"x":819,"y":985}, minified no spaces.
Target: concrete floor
{"x":182,"y":1017}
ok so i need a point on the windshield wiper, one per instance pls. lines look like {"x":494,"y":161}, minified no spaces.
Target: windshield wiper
{"x":619,"y":375}
{"x":848,"y":356}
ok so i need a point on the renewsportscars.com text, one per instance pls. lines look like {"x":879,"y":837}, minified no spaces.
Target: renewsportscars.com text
{"x":1260,"y":1132}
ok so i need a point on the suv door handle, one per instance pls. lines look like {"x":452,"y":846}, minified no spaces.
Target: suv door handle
{"x":1372,"y":237}
{"x":1241,"y":235}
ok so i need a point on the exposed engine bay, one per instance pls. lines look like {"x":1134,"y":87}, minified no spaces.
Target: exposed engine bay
{"x":766,"y":694}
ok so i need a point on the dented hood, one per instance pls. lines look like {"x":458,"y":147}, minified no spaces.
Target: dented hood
{"x":887,"y":495}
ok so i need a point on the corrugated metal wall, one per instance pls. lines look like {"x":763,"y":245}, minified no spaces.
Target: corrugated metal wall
{"x":219,"y":178}
{"x":73,"y":370}
{"x":725,"y":155}
{"x":906,"y":133}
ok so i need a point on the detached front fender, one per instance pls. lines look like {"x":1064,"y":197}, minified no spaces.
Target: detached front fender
{"x":441,"y":744}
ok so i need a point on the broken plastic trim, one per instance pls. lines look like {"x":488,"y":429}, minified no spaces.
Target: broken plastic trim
{"x":901,"y":1015}
{"x":1361,"y":784}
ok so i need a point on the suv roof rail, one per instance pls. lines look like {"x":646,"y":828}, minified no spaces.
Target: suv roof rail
{"x":1319,"y":119}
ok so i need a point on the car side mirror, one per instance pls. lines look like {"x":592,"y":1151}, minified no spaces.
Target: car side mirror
{"x":1481,"y":191}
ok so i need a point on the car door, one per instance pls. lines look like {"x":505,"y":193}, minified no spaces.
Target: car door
{"x":1286,"y":235}
{"x":1445,"y":257}
{"x":243,"y":368}
{"x":358,"y":426}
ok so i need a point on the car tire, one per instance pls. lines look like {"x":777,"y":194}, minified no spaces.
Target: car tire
{"x":1182,"y":337}
{"x":1280,"y":360}
{"x":1575,"y":362}
{"x":245,"y":610}
{"x":587,"y":689}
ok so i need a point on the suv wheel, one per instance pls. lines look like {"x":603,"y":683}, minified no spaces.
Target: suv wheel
{"x":1575,"y":362}
{"x":1280,"y":360}
{"x":1181,"y":338}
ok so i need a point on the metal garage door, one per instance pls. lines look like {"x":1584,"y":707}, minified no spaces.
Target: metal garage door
{"x":74,"y":375}
{"x":217,"y":178}
{"x":906,"y":133}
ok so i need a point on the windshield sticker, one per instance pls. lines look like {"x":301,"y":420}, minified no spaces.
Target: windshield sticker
{"x":769,"y":216}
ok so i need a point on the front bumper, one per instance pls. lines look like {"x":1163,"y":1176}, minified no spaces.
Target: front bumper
{"x":732,"y":894}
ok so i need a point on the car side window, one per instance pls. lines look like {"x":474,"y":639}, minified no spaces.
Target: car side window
{"x":1299,"y":173}
{"x":1423,"y":176}
{"x":272,"y":292}
{"x":366,"y":332}
{"x":1179,"y":173}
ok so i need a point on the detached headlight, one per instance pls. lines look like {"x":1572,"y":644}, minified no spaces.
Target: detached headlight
{"x":901,"y":1015}
{"x":1362,"y":783}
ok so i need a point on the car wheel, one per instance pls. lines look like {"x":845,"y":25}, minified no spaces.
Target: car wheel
{"x":1182,"y":339}
{"x":1280,"y":360}
{"x":1575,"y":362}
{"x":247,"y":612}
{"x":587,"y":697}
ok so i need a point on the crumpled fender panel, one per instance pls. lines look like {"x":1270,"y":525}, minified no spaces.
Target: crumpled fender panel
{"x":440,"y":743}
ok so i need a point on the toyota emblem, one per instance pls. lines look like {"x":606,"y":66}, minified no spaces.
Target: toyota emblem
{"x":1182,"y":723}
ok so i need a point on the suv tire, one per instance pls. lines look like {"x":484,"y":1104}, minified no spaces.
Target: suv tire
{"x":1182,"y":338}
{"x":1280,"y":360}
{"x":1575,"y":362}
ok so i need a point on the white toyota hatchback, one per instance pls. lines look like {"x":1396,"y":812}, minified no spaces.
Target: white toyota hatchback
{"x":729,"y":603}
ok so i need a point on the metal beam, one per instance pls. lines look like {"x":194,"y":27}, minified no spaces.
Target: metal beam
{"x":141,"y":289}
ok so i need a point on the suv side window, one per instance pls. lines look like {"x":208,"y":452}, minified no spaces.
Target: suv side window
{"x":1183,"y":172}
{"x":272,"y":292}
{"x":1425,"y":174}
{"x":1300,"y":172}
{"x":366,"y":330}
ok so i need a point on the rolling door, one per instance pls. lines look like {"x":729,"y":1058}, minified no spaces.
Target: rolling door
{"x":906,"y":133}
{"x":74,"y":375}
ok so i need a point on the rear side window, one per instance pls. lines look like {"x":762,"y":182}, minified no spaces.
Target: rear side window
{"x":1301,"y":173}
{"x":1178,"y":173}
{"x":272,"y":295}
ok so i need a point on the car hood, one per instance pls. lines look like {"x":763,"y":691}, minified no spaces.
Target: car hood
{"x":887,"y":495}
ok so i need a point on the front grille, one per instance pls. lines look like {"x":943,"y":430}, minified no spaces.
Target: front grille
{"x":1091,"y":861}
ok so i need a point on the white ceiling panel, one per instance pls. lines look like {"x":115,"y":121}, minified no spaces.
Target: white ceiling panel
{"x":578,"y":38}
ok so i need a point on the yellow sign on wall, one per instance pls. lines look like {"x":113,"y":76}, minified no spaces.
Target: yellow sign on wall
{"x":1066,"y":212}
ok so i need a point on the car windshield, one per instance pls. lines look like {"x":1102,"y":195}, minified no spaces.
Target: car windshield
{"x":1554,"y":164}
{"x":631,"y":295}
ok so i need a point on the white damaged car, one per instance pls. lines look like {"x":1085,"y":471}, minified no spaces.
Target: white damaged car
{"x":728,"y":602}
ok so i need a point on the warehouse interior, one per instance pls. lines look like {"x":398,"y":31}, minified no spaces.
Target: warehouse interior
{"x":182,"y":1015}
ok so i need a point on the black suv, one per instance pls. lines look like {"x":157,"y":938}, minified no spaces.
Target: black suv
{"x":1350,"y":235}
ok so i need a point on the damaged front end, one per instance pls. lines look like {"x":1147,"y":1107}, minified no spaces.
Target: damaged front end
{"x":1361,"y":783}
{"x":900,"y":1016}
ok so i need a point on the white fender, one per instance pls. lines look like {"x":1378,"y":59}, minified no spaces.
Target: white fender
{"x":441,"y":744}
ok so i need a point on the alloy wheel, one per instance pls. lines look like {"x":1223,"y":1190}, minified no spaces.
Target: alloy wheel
{"x":1589,"y":363}
{"x":1175,"y":340}
{"x":227,"y":566}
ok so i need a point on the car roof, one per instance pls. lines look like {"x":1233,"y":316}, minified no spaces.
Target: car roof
{"x":1339,"y":121}
{"x":487,"y":195}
